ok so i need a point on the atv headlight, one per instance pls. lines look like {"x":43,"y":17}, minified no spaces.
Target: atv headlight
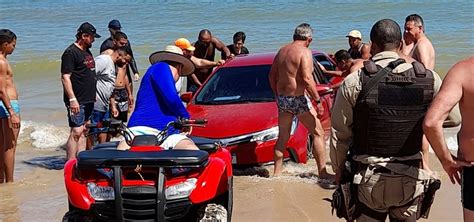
{"x":101,"y":192}
{"x":181,"y":190}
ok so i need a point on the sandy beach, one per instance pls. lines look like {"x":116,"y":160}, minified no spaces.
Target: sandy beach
{"x":39,"y":195}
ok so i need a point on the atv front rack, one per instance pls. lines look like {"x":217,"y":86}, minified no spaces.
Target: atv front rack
{"x":126,"y":209}
{"x":163,"y":158}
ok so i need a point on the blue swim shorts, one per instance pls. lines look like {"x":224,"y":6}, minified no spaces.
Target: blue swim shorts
{"x":80,"y":118}
{"x":4,"y":112}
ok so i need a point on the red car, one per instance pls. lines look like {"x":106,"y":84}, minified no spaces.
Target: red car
{"x":242,"y":114}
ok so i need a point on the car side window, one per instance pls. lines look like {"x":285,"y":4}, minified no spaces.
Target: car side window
{"x":318,"y":74}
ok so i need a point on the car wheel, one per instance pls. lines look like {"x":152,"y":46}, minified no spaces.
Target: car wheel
{"x":309,"y":148}
{"x":214,"y":212}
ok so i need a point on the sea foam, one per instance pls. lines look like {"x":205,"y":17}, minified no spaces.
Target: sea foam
{"x":43,"y":135}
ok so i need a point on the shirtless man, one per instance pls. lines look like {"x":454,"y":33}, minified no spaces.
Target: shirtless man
{"x":206,"y":46}
{"x":457,"y":87}
{"x":346,"y":65}
{"x":290,"y":77}
{"x":422,"y":50}
{"x":358,"y":49}
{"x":9,"y":109}
{"x":122,"y":97}
{"x":123,"y":92}
{"x":188,"y":52}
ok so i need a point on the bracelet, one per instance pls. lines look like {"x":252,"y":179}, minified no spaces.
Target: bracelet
{"x":73,"y":99}
{"x":318,"y":101}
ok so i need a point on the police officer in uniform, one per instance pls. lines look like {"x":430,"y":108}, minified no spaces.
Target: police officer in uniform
{"x":377,"y":127}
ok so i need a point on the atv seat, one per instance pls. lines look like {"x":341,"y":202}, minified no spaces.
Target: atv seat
{"x":107,"y":146}
{"x":205,"y":144}
{"x":164,"y":158}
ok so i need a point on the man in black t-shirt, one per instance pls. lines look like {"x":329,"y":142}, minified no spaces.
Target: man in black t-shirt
{"x":238,"y":47}
{"x":79,"y":84}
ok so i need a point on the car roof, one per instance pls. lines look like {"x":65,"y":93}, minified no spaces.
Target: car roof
{"x":256,"y":59}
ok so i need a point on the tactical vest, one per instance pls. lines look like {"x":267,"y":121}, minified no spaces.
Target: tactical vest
{"x":390,"y":109}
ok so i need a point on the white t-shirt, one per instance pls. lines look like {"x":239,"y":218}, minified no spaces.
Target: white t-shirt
{"x":106,"y":76}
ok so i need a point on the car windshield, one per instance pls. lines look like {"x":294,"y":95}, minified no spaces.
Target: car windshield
{"x":237,"y":85}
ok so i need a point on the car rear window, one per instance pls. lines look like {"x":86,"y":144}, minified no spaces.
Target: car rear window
{"x":237,"y":85}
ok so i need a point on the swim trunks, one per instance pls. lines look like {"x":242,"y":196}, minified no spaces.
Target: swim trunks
{"x":4,"y":112}
{"x":168,"y":144}
{"x":467,"y":188}
{"x":121,"y":98}
{"x":80,"y":118}
{"x":293,"y":104}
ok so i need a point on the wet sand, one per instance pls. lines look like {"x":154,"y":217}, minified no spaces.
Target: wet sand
{"x":39,"y":195}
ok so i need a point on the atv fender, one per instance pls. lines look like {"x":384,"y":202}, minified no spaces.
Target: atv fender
{"x":212,"y":182}
{"x":77,"y":192}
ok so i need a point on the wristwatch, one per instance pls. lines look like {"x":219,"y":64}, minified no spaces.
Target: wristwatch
{"x":318,"y":101}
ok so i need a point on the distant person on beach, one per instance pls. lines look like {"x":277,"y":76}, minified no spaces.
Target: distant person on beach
{"x":79,"y":83}
{"x":238,"y":47}
{"x":157,"y":100}
{"x":422,"y":51}
{"x":118,"y":41}
{"x":9,"y":108}
{"x":457,"y":87}
{"x":346,"y":65}
{"x":106,"y":75}
{"x":377,"y":120}
{"x":358,"y":49}
{"x":188,"y":52}
{"x":290,"y":77}
{"x":206,"y":46}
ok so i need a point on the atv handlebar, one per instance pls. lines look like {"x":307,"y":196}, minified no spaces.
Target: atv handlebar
{"x":117,"y":126}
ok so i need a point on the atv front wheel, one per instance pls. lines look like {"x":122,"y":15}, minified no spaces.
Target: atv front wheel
{"x":213,"y":213}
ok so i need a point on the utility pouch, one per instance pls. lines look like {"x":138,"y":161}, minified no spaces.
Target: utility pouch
{"x":428,"y":198}
{"x":344,"y":199}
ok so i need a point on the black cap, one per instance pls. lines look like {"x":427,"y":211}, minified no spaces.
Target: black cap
{"x":115,"y":24}
{"x":88,"y":28}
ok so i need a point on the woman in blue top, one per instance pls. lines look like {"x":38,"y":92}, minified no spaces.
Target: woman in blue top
{"x":158,"y":102}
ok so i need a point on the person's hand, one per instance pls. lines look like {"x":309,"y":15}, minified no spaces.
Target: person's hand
{"x":231,"y":56}
{"x":15,"y":121}
{"x":220,"y":62}
{"x":74,"y":106}
{"x":320,"y":109}
{"x":136,"y":77}
{"x":322,"y":67}
{"x":130,"y":101}
{"x":454,"y":167}
{"x":114,"y":112}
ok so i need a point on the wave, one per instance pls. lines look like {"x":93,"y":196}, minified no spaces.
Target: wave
{"x":43,"y":135}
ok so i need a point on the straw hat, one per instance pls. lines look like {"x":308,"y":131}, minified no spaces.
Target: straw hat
{"x":174,"y":54}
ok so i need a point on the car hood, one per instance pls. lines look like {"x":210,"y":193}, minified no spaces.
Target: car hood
{"x":232,"y":120}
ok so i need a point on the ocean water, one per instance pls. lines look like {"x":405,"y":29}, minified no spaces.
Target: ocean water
{"x":45,"y":28}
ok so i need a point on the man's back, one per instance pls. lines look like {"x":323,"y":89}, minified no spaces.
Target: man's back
{"x":289,"y":63}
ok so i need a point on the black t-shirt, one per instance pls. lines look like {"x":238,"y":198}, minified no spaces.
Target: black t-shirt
{"x":80,"y":64}
{"x":244,"y":50}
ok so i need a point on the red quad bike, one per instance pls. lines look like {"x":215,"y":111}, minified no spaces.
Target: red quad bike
{"x":148,"y":183}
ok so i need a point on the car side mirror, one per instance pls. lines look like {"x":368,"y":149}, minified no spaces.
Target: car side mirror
{"x":187,"y":97}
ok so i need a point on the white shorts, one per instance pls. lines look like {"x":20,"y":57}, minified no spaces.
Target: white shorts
{"x":169,"y":143}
